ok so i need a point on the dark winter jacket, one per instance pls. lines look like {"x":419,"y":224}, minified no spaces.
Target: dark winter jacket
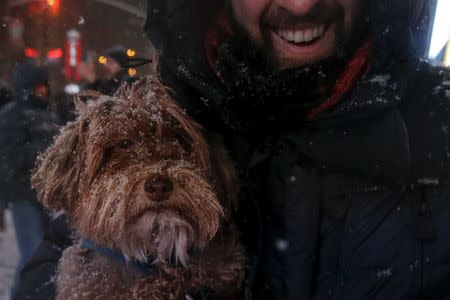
{"x":5,"y":96}
{"x":353,"y":204}
{"x":27,"y":127}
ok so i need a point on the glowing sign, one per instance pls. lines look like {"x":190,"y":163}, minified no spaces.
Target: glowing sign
{"x":55,"y":53}
{"x":30,"y":52}
{"x":54,"y":5}
{"x":441,"y":28}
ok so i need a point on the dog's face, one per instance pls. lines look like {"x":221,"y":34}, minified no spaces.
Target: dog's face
{"x":133,"y":173}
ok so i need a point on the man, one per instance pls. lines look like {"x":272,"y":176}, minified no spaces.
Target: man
{"x":27,"y":127}
{"x":340,"y":134}
{"x":114,"y":71}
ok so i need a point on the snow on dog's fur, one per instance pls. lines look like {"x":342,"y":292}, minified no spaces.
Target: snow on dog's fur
{"x":133,"y":173}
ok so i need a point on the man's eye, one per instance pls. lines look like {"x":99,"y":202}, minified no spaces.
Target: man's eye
{"x":125,"y":144}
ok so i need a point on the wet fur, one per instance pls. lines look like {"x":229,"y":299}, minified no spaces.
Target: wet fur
{"x":96,"y":172}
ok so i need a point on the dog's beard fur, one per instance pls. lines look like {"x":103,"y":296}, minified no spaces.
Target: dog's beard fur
{"x":117,"y":213}
{"x":101,"y":187}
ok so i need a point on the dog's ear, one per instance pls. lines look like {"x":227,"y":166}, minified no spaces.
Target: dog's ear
{"x":58,"y":171}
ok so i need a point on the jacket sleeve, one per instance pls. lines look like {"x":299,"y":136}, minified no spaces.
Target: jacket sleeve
{"x":38,"y":276}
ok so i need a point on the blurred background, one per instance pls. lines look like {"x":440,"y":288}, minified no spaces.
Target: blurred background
{"x":439,"y":46}
{"x":63,"y":35}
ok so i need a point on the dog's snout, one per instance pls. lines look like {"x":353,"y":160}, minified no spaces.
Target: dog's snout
{"x":159,"y":187}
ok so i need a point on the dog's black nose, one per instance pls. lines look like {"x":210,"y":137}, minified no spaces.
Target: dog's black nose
{"x":159,"y":187}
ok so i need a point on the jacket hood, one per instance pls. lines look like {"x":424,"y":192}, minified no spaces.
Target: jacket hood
{"x":179,"y":30}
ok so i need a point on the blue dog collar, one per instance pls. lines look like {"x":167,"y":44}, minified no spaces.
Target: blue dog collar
{"x":145,"y":269}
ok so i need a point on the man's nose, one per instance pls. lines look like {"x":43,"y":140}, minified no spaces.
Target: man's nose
{"x":298,"y":7}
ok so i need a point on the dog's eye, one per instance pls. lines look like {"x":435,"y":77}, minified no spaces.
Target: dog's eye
{"x":184,"y":144}
{"x":125,"y":144}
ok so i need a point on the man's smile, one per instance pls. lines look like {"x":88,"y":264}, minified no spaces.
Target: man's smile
{"x":301,"y":36}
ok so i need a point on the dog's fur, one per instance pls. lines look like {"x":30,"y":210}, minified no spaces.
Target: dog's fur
{"x":134,"y":173}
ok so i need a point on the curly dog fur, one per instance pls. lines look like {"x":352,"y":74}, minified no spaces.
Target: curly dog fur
{"x":133,"y":173}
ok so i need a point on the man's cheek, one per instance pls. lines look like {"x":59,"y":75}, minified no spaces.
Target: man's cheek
{"x":247,"y":15}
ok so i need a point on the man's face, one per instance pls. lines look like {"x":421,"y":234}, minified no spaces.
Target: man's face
{"x":294,"y":33}
{"x":41,"y":92}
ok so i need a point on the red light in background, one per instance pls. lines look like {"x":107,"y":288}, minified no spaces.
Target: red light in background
{"x":36,"y":7}
{"x":54,"y":6}
{"x":31,"y":53}
{"x":55,"y":53}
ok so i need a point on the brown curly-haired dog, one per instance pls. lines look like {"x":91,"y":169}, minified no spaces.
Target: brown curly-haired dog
{"x":149,"y":199}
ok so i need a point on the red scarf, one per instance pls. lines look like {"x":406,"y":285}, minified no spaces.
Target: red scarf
{"x":355,"y":69}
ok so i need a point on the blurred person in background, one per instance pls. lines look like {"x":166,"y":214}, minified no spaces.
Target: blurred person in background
{"x":114,"y":70}
{"x":26,"y":128}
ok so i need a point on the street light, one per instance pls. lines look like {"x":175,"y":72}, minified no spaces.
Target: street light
{"x":131,"y":52}
{"x":132,"y":72}
{"x":102,"y":60}
{"x":53,"y":5}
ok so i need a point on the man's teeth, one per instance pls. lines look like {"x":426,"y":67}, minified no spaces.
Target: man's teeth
{"x":301,"y":36}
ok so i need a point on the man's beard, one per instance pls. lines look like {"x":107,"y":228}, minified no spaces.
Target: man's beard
{"x":257,"y":93}
{"x":243,"y":60}
{"x":344,"y":45}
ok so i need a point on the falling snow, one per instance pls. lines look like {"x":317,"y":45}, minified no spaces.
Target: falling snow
{"x":428,"y":181}
{"x":382,"y":80}
{"x":384,"y":273}
{"x":281,"y":245}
